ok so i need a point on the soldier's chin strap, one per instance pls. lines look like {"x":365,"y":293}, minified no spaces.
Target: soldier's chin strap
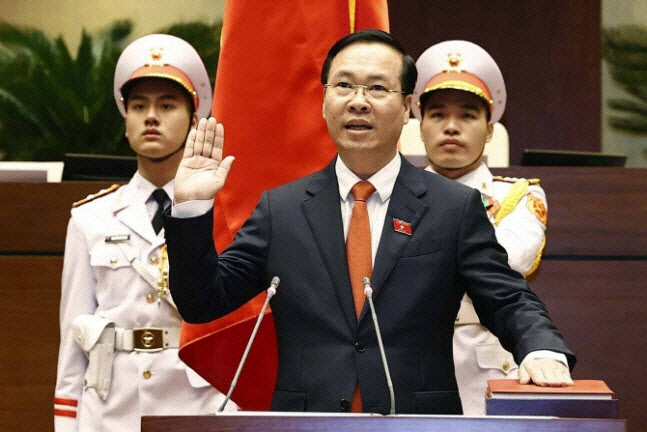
{"x":163,"y":158}
{"x":458,"y":168}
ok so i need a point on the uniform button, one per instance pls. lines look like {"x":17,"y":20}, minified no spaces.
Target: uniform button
{"x":154,"y":259}
{"x":147,"y":374}
{"x":359,"y":347}
{"x":113,"y":260}
{"x":150,"y":298}
{"x":344,"y":405}
{"x":506,"y":366}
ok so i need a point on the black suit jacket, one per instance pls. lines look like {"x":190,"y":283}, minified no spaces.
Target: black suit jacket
{"x":418,"y":280}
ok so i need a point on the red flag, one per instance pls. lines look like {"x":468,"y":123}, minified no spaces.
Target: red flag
{"x":269,"y":97}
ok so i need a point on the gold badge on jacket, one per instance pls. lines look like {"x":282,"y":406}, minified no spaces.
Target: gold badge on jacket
{"x":537,"y":207}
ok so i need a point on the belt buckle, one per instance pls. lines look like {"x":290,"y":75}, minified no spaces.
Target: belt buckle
{"x":148,"y":339}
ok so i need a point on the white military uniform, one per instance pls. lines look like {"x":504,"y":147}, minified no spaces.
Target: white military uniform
{"x":100,"y":281}
{"x":478,"y":355}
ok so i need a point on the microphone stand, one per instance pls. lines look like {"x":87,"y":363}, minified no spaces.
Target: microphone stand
{"x":270,"y":293}
{"x":368,"y":291}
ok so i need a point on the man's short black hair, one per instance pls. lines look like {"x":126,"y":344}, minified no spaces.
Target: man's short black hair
{"x":409,"y":73}
{"x":129,"y":85}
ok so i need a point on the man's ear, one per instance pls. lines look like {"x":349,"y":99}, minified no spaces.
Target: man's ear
{"x":407,"y":107}
{"x":323,"y":104}
{"x":194,"y":120}
{"x":490,"y":131}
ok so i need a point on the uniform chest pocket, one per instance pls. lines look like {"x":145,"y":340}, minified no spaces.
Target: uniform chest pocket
{"x":108,"y":256}
{"x":424,"y":245}
{"x":493,"y":356}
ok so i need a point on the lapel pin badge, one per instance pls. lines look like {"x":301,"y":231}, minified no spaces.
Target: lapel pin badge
{"x":117,"y":238}
{"x":402,"y":226}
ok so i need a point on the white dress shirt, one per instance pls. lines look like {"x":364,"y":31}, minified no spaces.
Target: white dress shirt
{"x":376,"y":204}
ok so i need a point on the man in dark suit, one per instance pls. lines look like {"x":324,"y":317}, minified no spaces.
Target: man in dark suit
{"x":424,"y":239}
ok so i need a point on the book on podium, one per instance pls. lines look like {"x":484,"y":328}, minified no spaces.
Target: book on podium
{"x":585,"y":399}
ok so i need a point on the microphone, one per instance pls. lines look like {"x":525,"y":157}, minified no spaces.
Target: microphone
{"x":271,"y":291}
{"x":368,"y":292}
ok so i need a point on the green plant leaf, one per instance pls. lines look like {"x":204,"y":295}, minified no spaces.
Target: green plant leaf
{"x":624,"y":48}
{"x":627,"y":105}
{"x":631,"y":124}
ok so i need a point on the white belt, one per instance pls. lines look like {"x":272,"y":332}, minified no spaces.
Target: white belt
{"x":147,"y":339}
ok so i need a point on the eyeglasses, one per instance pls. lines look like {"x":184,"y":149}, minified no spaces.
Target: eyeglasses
{"x":374,"y":91}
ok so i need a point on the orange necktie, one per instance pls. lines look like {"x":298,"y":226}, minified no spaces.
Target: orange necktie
{"x":358,"y":253}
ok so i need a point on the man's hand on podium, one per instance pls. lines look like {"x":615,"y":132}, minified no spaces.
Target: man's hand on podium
{"x":545,"y":372}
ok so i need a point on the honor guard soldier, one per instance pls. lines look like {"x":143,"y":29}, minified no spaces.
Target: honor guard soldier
{"x":118,"y":357}
{"x":459,"y":95}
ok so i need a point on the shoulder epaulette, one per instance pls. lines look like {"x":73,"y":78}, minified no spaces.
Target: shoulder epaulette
{"x":101,"y":193}
{"x":532,"y":181}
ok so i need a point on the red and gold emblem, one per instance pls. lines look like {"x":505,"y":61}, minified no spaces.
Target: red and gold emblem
{"x":537,"y":207}
{"x":402,"y":226}
{"x":156,"y":55}
{"x":453,"y":62}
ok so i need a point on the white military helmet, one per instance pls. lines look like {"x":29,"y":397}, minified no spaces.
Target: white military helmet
{"x":169,"y":57}
{"x":460,"y":65}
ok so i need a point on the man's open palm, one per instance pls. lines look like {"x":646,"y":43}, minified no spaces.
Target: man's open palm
{"x":202,"y":171}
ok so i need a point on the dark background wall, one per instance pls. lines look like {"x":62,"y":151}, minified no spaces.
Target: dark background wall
{"x":549,"y":53}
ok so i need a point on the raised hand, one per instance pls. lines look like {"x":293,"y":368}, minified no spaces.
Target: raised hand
{"x":202,"y":171}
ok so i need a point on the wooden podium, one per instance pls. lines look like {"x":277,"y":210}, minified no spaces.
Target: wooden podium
{"x":313,"y":422}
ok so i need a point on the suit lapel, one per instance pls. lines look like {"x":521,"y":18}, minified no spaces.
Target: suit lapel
{"x":406,"y":206}
{"x":323,"y":213}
